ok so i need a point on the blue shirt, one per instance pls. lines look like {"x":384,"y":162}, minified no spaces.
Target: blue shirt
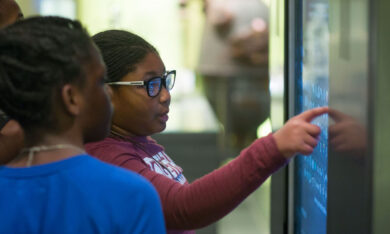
{"x":77,"y":195}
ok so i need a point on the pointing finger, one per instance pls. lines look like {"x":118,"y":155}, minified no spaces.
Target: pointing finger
{"x":335,"y":114}
{"x":309,"y":115}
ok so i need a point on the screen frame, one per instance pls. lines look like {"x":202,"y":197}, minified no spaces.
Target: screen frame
{"x":294,"y":38}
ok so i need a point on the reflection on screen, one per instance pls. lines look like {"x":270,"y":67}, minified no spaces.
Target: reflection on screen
{"x":311,"y":173}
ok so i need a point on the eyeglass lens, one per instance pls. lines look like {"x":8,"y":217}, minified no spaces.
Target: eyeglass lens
{"x":170,"y":81}
{"x":154,"y":85}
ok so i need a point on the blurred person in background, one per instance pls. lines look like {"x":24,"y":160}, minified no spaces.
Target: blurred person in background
{"x":9,"y":12}
{"x":233,"y":66}
{"x":11,"y":134}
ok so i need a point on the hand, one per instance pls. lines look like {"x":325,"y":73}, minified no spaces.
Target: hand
{"x":346,"y":134}
{"x":220,"y":17}
{"x":251,"y":46}
{"x":298,"y":135}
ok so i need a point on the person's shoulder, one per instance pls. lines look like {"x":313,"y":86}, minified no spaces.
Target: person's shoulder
{"x":109,"y":147}
{"x":116,"y":176}
{"x":128,"y":184}
{"x":106,"y":142}
{"x":129,"y":197}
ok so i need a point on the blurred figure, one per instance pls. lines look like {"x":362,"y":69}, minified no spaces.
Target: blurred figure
{"x":11,"y":134}
{"x":347,"y":135}
{"x":9,"y":12}
{"x":234,"y":66}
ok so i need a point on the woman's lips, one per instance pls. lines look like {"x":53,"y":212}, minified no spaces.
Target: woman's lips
{"x":164,"y":117}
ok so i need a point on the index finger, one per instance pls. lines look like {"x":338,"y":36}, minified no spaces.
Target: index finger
{"x":338,"y":116}
{"x":309,"y":115}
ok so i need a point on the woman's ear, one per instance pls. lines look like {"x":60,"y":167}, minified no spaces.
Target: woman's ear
{"x":72,"y":99}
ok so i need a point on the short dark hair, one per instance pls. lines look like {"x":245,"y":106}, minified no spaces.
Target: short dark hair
{"x":121,"y":51}
{"x":38,"y":56}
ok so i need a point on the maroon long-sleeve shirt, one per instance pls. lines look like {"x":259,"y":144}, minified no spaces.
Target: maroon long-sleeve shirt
{"x":207,"y":199}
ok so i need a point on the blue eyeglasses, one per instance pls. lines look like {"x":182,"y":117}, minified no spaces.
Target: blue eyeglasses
{"x":154,"y":85}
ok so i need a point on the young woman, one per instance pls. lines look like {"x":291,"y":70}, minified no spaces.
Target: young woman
{"x":140,"y":87}
{"x":52,"y":83}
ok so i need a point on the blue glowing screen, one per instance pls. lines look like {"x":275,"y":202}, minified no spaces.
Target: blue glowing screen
{"x":311,"y":173}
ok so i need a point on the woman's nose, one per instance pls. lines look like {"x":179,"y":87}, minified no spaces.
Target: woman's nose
{"x":164,"y":95}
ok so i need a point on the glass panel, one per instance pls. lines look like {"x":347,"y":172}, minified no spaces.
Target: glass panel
{"x":349,"y":99}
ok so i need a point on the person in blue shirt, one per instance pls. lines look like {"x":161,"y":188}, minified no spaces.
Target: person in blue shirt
{"x":52,"y":83}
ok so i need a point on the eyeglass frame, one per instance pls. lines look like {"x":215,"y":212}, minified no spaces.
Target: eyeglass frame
{"x":146,"y":83}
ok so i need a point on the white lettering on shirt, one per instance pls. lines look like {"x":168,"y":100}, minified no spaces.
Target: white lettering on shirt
{"x":163,"y":164}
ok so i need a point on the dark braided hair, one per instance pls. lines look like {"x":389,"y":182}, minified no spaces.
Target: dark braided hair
{"x":37,"y":57}
{"x":121,"y":51}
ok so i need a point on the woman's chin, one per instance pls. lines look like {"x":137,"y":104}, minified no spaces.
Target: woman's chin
{"x":161,"y":128}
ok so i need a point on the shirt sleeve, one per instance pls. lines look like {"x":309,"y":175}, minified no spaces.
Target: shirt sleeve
{"x":212,"y":196}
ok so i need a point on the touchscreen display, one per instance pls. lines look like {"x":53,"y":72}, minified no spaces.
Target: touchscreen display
{"x":311,"y":172}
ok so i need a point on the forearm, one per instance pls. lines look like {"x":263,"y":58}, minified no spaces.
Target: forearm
{"x":214,"y":195}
